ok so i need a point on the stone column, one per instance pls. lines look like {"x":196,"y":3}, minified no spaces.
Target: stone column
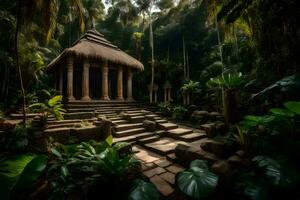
{"x":70,"y":79}
{"x":129,"y":85}
{"x":61,"y":80}
{"x":85,"y":81}
{"x":169,"y":95}
{"x":155,"y":89}
{"x":165,"y":95}
{"x":120,"y":83}
{"x":105,"y":82}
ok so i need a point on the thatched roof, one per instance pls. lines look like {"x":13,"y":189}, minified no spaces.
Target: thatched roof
{"x":93,"y":45}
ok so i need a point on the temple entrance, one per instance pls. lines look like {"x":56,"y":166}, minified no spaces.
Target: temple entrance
{"x":95,"y":82}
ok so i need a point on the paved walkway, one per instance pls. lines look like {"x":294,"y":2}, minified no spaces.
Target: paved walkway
{"x":156,"y":149}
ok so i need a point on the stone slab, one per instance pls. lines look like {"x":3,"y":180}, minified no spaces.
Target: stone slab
{"x":154,"y":171}
{"x":147,"y":156}
{"x":169,"y":177}
{"x":163,"y":163}
{"x":162,"y":186}
{"x":167,"y":126}
{"x":192,"y":137}
{"x":180,"y":131}
{"x":164,"y":146}
{"x":175,"y":168}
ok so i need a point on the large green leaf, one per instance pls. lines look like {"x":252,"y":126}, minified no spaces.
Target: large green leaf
{"x":197,"y":182}
{"x":289,"y":84}
{"x":228,"y":80}
{"x":270,"y":166}
{"x":109,"y":140}
{"x":278,"y":171}
{"x":252,"y":120}
{"x":293,"y":106}
{"x":143,"y":191}
{"x":283,"y":112}
{"x":32,"y":171}
{"x":55,"y":100}
{"x":20,"y":172}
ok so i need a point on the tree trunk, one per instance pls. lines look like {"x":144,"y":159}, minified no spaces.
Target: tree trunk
{"x":236,"y":44}
{"x":230,"y":106}
{"x":18,"y":24}
{"x":184,"y":62}
{"x":152,"y":52}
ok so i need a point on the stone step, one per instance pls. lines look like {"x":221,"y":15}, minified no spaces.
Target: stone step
{"x":175,"y":133}
{"x":104,"y":102}
{"x":164,"y":146}
{"x":68,"y":125}
{"x":101,"y":107}
{"x":20,"y":116}
{"x":125,"y":127}
{"x":79,"y":115}
{"x":137,"y":110}
{"x":135,"y":114}
{"x":129,"y":132}
{"x":148,"y":140}
{"x":152,"y":116}
{"x":119,"y":122}
{"x":115,"y":118}
{"x":133,"y":138}
{"x":167,"y":126}
{"x":137,"y":119}
{"x":192,"y":137}
{"x":64,"y":121}
{"x":161,"y":121}
{"x":110,"y":115}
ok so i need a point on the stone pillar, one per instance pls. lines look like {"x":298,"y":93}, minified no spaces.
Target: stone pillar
{"x":120,"y":83}
{"x":169,"y":95}
{"x":184,"y":98}
{"x":188,"y":98}
{"x":105,"y":82}
{"x":70,"y":79}
{"x":85,"y":81}
{"x":155,"y":89}
{"x":61,"y":80}
{"x":150,"y":89}
{"x":165,"y":95}
{"x":129,"y":85}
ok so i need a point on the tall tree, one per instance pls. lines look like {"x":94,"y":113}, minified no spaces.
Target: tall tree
{"x":49,"y":11}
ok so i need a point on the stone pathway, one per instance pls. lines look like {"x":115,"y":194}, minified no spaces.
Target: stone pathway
{"x":153,"y":143}
{"x":156,"y":148}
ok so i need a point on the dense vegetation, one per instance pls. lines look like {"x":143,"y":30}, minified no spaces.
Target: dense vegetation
{"x":236,"y":57}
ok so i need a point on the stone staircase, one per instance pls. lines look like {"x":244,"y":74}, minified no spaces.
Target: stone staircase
{"x":155,"y":147}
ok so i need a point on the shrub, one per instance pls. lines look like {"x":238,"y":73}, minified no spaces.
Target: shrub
{"x":89,"y":166}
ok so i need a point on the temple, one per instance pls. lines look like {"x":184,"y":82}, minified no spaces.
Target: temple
{"x":94,"y":69}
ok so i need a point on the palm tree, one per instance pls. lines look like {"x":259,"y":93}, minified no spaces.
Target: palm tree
{"x":49,"y":10}
{"x":146,"y":6}
{"x":94,"y":10}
